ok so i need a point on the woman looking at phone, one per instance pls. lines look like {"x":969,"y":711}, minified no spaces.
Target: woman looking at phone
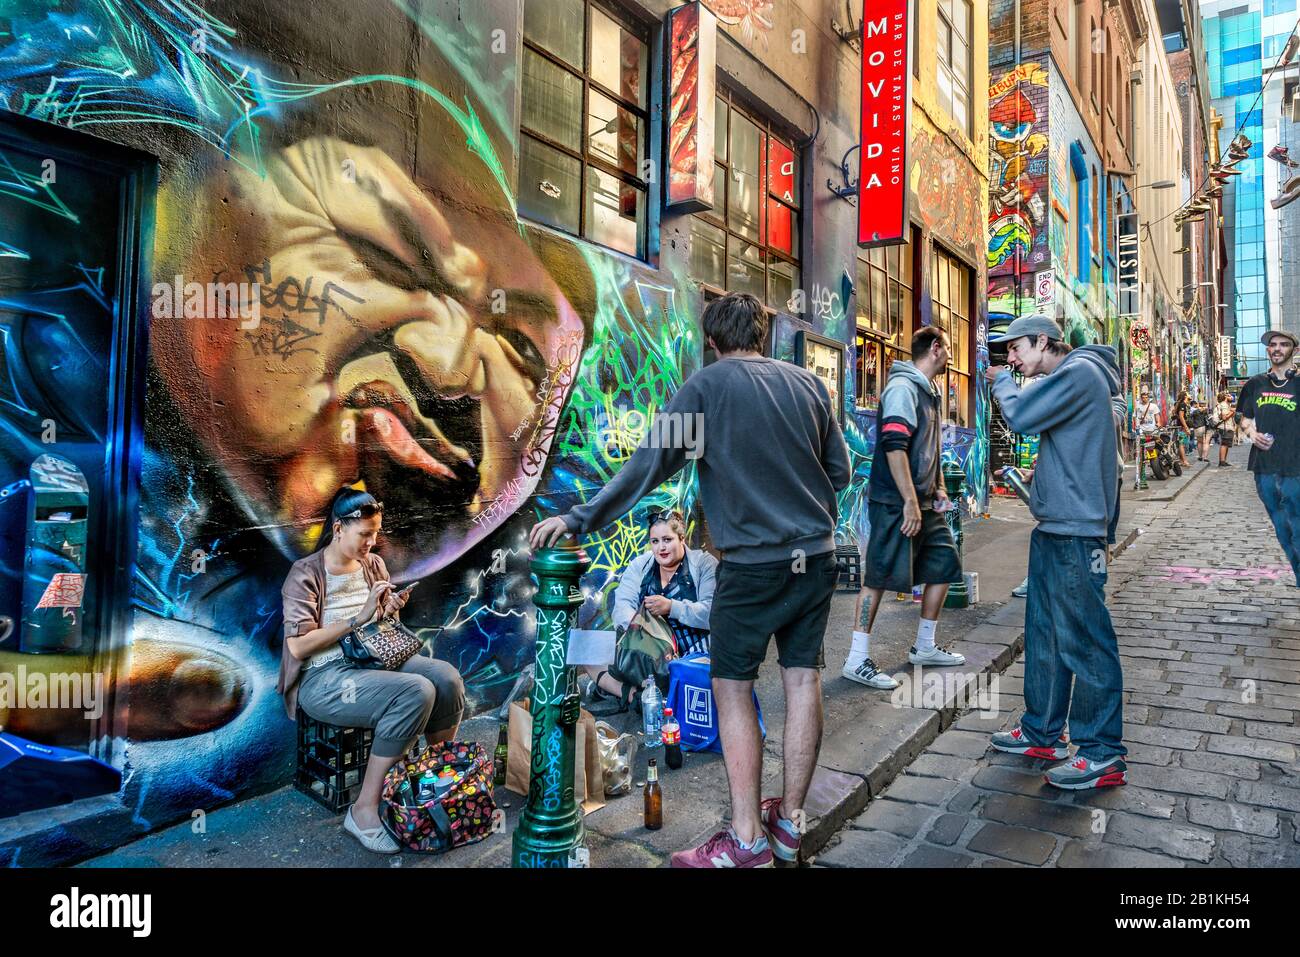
{"x":341,"y":586}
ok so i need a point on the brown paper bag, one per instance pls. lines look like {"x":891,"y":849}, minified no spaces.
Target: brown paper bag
{"x":588,"y":779}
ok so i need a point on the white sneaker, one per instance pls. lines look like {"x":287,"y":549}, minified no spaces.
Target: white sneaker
{"x":936,"y":657}
{"x":868,"y":674}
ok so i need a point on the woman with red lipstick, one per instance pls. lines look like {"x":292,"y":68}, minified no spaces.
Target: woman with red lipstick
{"x":671,"y":581}
{"x":341,"y":585}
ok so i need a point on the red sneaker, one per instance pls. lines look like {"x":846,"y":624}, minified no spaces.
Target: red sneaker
{"x":782,"y":835}
{"x":724,"y":850}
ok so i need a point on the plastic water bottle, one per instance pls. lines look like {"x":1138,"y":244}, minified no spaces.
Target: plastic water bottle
{"x":652,"y":714}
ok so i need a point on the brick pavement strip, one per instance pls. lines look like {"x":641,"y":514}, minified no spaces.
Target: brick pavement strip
{"x":1212,"y":698}
{"x":1191,"y":843}
{"x":947,"y":829}
{"x":1225,"y":816}
{"x":1013,"y":843}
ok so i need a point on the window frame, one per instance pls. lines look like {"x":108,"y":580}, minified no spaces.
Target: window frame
{"x":944,"y":62}
{"x":585,"y":157}
{"x":961,"y":368}
{"x":711,"y":217}
{"x":890,"y":344}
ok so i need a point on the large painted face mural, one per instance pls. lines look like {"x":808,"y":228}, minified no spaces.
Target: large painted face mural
{"x":378,"y":356}
{"x":407,"y":332}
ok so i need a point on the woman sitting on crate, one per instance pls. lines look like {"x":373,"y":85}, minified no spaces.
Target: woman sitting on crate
{"x":340,"y":586}
{"x":671,"y":581}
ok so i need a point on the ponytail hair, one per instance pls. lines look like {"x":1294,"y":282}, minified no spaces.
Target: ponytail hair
{"x":342,"y":508}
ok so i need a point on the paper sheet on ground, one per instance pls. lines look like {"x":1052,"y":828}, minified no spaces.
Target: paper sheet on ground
{"x":591,"y":647}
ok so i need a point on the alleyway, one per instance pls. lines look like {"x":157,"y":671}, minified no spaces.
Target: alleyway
{"x":1209,"y":634}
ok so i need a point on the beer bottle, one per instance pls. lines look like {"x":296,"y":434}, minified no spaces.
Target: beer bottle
{"x":654,"y":798}
{"x":500,"y":755}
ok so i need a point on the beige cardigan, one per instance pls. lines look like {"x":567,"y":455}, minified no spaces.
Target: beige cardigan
{"x":301,"y":596}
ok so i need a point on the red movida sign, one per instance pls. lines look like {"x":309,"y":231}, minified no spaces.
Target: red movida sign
{"x":886,"y":122}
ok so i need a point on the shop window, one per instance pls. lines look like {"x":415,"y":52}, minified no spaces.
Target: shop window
{"x":749,"y":240}
{"x":584,"y":123}
{"x":884,"y":318}
{"x":950,"y":297}
{"x":953,"y":31}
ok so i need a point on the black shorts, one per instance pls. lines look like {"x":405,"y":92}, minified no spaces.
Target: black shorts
{"x":752,"y":603}
{"x":895,"y":562}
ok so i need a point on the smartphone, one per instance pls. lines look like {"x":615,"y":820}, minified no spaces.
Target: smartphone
{"x":408,"y":589}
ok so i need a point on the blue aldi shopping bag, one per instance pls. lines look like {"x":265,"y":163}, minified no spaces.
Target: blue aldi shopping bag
{"x":690,"y":695}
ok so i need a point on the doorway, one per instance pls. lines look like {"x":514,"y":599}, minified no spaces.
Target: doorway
{"x":76,"y":217}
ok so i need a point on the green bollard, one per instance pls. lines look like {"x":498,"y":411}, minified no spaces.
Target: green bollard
{"x":954,"y":481}
{"x":1141,"y":483}
{"x":550,"y":827}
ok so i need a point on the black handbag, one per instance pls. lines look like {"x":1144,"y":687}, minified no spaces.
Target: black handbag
{"x":384,"y":643}
{"x":644,"y":651}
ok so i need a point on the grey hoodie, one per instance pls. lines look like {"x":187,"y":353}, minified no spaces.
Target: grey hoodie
{"x":1075,"y":490}
{"x":909,"y":421}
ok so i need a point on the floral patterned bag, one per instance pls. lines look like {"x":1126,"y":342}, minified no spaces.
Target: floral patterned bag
{"x":461,"y":813}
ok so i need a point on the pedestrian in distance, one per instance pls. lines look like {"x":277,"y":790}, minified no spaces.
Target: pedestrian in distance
{"x":1069,"y":638}
{"x":910,"y":542}
{"x":1270,"y":422}
{"x":771,"y":464}
{"x":1223,"y":421}
{"x":1182,"y":428}
{"x":1198,"y":419}
{"x":1147,"y":414}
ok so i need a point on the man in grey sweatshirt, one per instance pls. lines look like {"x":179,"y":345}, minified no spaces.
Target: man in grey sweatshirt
{"x":771,"y":460}
{"x":1074,"y":496}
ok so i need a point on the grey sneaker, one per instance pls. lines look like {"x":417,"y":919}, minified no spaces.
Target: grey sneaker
{"x":1021,"y":590}
{"x":868,"y":674}
{"x":1081,"y":774}
{"x":1015,"y":742}
{"x":936,"y":657}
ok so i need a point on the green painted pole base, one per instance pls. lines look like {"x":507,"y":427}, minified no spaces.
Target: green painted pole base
{"x":550,"y":827}
{"x":954,"y":483}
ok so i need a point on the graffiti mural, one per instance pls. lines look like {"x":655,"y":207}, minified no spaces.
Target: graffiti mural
{"x":408,"y":332}
{"x":1018,"y":170}
{"x":948,"y":202}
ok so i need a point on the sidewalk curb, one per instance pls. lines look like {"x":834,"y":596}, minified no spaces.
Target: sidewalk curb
{"x":844,"y":784}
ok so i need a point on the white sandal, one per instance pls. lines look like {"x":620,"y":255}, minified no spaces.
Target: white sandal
{"x":372,"y":839}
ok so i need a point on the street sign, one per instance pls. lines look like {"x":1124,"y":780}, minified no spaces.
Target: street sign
{"x":1225,"y":353}
{"x":886,"y":124}
{"x":1126,"y":228}
{"x":1044,"y":289}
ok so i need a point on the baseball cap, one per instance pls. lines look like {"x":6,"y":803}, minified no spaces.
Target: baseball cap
{"x":1030,"y":326}
{"x":1279,"y":332}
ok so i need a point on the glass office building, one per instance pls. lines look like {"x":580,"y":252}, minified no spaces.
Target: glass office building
{"x":1235,"y":46}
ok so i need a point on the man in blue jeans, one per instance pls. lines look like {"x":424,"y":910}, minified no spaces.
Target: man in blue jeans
{"x":1074,"y":495}
{"x":1271,"y":424}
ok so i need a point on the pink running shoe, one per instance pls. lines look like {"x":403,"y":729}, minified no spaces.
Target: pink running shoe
{"x":783,"y":836}
{"x":724,"y":850}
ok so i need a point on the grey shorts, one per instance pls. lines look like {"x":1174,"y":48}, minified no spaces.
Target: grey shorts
{"x":426,"y":695}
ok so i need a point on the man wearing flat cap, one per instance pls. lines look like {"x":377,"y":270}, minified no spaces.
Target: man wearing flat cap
{"x":1271,"y":424}
{"x":1074,"y":495}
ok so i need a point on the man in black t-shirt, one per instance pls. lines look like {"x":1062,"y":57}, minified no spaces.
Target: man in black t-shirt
{"x":1270,"y":408}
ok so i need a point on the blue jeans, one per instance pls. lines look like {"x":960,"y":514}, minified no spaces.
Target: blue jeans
{"x":1281,"y":496}
{"x":1069,"y":638}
